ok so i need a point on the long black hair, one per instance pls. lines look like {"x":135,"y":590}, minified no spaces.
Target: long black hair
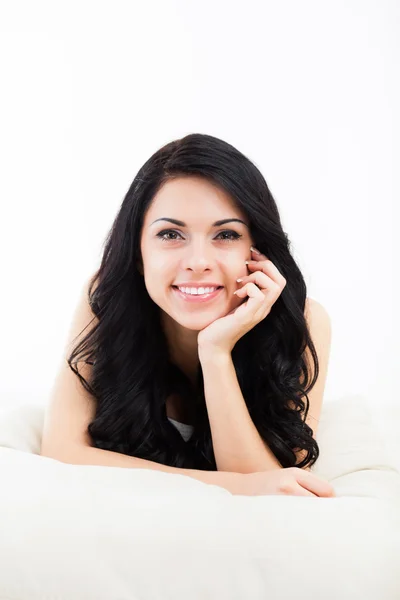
{"x":132,"y":376}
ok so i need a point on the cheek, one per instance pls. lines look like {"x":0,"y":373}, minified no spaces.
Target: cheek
{"x":236,"y":261}
{"x":158,"y":275}
{"x":157,"y":265}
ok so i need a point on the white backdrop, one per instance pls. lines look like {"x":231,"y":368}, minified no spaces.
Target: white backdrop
{"x":307,"y":90}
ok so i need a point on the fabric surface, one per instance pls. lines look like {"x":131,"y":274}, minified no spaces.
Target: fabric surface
{"x":184,"y":429}
{"x":81,"y":532}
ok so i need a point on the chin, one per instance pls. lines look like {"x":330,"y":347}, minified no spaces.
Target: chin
{"x":196,"y":322}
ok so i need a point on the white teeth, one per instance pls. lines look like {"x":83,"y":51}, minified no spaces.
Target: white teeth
{"x":197,"y":291}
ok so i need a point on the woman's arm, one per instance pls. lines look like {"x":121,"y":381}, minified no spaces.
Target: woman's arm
{"x":238,"y":447}
{"x":87,"y":455}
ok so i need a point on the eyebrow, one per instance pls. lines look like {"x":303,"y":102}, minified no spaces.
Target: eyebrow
{"x":182,"y":224}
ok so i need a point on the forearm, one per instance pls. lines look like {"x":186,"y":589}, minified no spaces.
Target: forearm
{"x":238,"y":447}
{"x":87,"y":455}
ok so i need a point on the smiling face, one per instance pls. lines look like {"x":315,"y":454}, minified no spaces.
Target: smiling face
{"x":197,"y":253}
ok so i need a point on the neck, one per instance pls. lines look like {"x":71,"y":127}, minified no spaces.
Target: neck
{"x":182,"y":347}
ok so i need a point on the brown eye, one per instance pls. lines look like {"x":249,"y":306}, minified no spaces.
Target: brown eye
{"x":233,"y":235}
{"x":163,"y":233}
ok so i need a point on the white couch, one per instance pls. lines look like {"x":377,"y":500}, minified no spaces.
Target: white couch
{"x":73,"y":532}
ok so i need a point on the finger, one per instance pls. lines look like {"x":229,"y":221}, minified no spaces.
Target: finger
{"x":260,"y":278}
{"x":257,"y":254}
{"x":268,"y":268}
{"x":301,"y":491}
{"x":251,"y":290}
{"x":313,"y":483}
{"x":296,"y":489}
{"x":269,"y":288}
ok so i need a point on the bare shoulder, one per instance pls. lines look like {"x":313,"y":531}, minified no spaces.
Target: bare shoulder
{"x":316,"y":311}
{"x":319,"y":325}
{"x":71,"y":408}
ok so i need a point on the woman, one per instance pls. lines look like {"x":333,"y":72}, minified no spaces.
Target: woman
{"x":201,"y":351}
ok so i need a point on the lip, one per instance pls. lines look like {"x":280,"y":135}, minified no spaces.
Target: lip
{"x":198,"y":284}
{"x":194,"y":298}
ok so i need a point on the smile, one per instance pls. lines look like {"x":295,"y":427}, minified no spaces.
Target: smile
{"x":197,"y":297}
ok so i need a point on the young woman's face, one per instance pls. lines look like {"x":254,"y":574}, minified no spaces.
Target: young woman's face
{"x":197,"y":253}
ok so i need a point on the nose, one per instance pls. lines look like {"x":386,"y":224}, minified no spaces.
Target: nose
{"x":199,"y":257}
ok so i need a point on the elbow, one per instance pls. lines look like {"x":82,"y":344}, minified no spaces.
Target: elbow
{"x":65,"y":455}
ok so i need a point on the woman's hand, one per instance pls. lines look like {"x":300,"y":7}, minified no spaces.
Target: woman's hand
{"x":291,"y":481}
{"x":260,"y":291}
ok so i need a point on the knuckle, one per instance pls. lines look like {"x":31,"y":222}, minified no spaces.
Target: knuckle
{"x":286,"y":489}
{"x":286,"y":486}
{"x":294,"y":470}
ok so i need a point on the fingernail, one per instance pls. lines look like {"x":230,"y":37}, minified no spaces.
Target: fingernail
{"x":255,"y":250}
{"x":239,"y":279}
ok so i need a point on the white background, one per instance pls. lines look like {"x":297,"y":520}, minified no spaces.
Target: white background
{"x":307,"y":90}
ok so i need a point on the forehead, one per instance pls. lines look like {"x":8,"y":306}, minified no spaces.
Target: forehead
{"x":189,"y":198}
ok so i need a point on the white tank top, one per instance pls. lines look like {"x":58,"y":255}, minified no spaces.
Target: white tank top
{"x":184,"y":429}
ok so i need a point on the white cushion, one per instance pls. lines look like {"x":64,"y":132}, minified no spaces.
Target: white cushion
{"x":81,"y":532}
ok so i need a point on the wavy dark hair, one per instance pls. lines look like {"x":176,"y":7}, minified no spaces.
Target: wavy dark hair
{"x":131,"y":375}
